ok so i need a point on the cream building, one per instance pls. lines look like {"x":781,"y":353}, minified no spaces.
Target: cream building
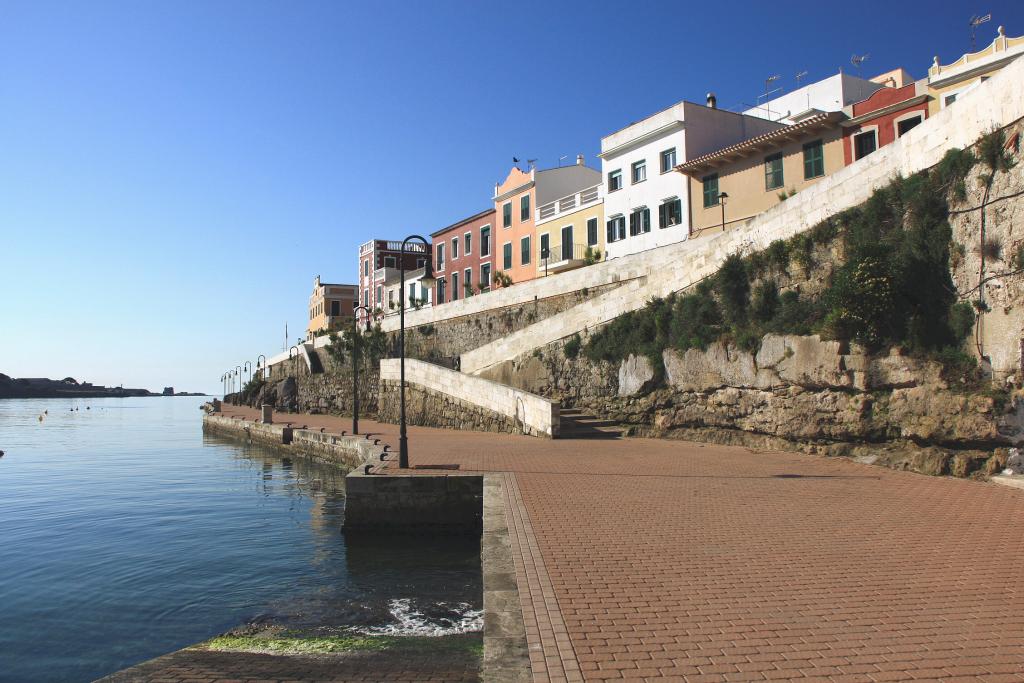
{"x":732,"y":185}
{"x":949,"y":81}
{"x":570,"y":231}
{"x":330,"y":306}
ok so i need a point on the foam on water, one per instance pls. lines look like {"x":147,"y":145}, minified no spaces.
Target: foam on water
{"x":443,"y":620}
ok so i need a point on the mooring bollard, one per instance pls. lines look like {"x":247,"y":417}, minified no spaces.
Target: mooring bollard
{"x":267,"y":414}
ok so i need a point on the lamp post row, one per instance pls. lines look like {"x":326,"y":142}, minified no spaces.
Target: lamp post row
{"x":427,"y":280}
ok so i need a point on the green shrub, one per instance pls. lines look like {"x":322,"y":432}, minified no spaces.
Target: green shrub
{"x":961,"y":321}
{"x":765,"y":303}
{"x":572,"y":347}
{"x":778,"y":255}
{"x":733,"y":288}
{"x":951,"y":172}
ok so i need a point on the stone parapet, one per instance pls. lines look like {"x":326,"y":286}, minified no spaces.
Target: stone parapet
{"x":439,"y":397}
{"x":413,"y":502}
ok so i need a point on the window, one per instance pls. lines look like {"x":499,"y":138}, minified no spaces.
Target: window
{"x":485,"y":275}
{"x":366,"y":268}
{"x":455,"y":248}
{"x":391,"y":298}
{"x":710,"y":190}
{"x":670,"y":212}
{"x":524,"y":208}
{"x":420,"y":262}
{"x":506,"y":256}
{"x":591,"y":232}
{"x":814,"y":160}
{"x":616,"y":228}
{"x":639,"y":171}
{"x":467,"y":243}
{"x":567,"y":242}
{"x":864,"y":144}
{"x":506,"y":215}
{"x":485,"y":241}
{"x":335,"y":308}
{"x":639,"y":221}
{"x":380,"y":295}
{"x":468,"y":284}
{"x":412,"y":293}
{"x":545,"y":246}
{"x":389,"y":261}
{"x":455,"y":286}
{"x":773,"y":179}
{"x":668,"y":160}
{"x":440,"y":256}
{"x":524,"y":251}
{"x":906,"y":124}
{"x":614,"y":181}
{"x":440,"y":290}
{"x":948,"y":100}
{"x":366,"y":298}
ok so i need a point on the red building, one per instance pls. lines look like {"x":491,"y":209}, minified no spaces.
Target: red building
{"x":464,"y":257}
{"x":882,"y":118}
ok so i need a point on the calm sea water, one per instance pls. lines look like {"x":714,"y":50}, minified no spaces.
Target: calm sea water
{"x":125,"y":534}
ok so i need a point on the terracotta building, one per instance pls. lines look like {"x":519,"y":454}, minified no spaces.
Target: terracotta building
{"x":883,"y":117}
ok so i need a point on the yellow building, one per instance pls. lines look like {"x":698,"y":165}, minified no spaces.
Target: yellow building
{"x":947,"y":81}
{"x":330,"y":306}
{"x":570,"y":231}
{"x":738,"y":182}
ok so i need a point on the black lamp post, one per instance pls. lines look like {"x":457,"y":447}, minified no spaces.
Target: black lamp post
{"x":247,"y":365}
{"x":264,"y":365}
{"x":224,"y":384}
{"x":722,"y":196}
{"x":295,"y":370}
{"x":238,"y":373}
{"x":355,"y":365}
{"x":426,"y":281}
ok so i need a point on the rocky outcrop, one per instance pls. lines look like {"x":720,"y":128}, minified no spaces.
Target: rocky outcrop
{"x":636,"y":376}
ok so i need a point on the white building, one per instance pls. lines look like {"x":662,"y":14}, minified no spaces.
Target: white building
{"x":830,"y":94}
{"x":416,"y":295}
{"x":646,"y":203}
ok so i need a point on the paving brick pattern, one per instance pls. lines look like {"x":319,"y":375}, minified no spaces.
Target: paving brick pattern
{"x":681,"y":561}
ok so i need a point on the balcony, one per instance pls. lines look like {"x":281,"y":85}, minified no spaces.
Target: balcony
{"x":572,"y":202}
{"x":563,"y":257}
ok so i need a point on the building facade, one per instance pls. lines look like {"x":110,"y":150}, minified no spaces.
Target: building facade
{"x":883,"y":117}
{"x":464,"y":257}
{"x":375,"y":257}
{"x":330,"y":306}
{"x":758,"y":173}
{"x":515,"y":202}
{"x":946,"y":82}
{"x":570,"y":231}
{"x":646,"y":203}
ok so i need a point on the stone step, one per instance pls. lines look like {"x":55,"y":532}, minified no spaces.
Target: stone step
{"x":574,"y":424}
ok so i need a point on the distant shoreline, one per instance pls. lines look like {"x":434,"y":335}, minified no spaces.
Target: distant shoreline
{"x":69,"y":387}
{"x":126,"y":394}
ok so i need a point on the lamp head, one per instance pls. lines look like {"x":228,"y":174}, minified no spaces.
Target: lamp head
{"x":428,"y":280}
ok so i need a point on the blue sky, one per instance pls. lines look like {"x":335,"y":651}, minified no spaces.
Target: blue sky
{"x":173,"y":175}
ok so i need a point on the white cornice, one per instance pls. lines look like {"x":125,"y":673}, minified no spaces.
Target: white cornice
{"x":657,"y":132}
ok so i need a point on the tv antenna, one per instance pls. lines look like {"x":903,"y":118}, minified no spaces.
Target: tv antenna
{"x":800,"y":75}
{"x":531,"y":163}
{"x":857,"y":60}
{"x":767,"y":84}
{"x":561,"y":159}
{"x":976,"y":21}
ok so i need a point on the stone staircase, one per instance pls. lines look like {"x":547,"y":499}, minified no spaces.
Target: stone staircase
{"x":574,"y":424}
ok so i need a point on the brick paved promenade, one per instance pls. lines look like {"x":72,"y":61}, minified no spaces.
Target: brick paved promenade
{"x":653,"y":560}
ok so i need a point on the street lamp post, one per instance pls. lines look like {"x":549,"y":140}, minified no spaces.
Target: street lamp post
{"x":426,"y":281}
{"x":722,"y":196}
{"x":224,"y":384}
{"x":264,"y":365}
{"x":248,"y":368}
{"x":355,"y":365}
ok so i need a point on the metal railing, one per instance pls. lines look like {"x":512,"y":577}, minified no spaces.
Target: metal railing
{"x":565,"y":252}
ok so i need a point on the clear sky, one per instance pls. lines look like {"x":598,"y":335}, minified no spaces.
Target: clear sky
{"x":174,"y":174}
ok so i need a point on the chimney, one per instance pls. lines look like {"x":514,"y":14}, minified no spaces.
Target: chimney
{"x":712,"y":101}
{"x":579,"y":159}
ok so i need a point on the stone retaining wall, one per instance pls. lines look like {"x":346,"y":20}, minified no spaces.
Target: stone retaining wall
{"x":412,"y":503}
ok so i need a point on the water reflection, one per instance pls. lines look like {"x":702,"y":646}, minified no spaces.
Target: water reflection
{"x":128,"y":533}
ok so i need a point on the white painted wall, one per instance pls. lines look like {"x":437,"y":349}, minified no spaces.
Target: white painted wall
{"x":693,"y":130}
{"x":829,"y":94}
